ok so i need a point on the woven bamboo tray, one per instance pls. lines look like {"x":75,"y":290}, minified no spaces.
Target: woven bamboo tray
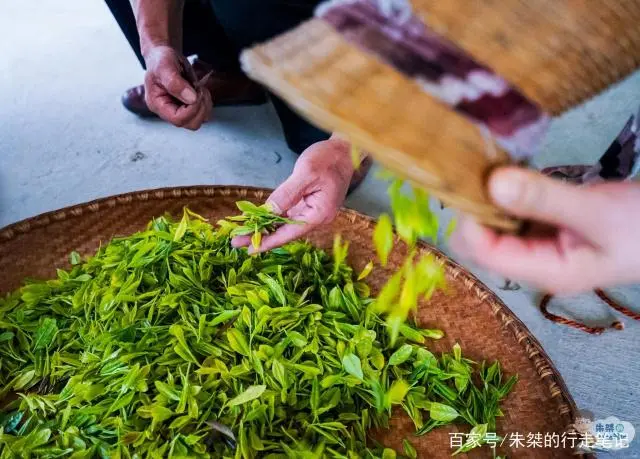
{"x":469,"y":313}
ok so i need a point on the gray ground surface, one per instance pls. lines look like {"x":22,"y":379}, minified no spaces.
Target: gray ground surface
{"x":65,"y":139}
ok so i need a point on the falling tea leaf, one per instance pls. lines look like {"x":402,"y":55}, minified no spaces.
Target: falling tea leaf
{"x":383,"y":238}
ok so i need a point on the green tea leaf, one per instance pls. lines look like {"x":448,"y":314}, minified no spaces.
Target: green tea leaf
{"x":250,"y":393}
{"x":457,"y":352}
{"x":247,"y":207}
{"x":74,"y":258}
{"x":401,"y":355}
{"x":38,"y":438}
{"x":409,"y":449}
{"x":433,"y":334}
{"x":351,"y":364}
{"x":377,"y":358}
{"x":180,"y":422}
{"x":340,"y":252}
{"x":314,"y":400}
{"x":24,"y":379}
{"x":442,"y":412}
{"x":256,"y":239}
{"x":224,"y":316}
{"x":394,"y":322}
{"x":383,"y":238}
{"x":280,"y":373}
{"x":6,"y":336}
{"x":158,"y":413}
{"x":297,"y":339}
{"x":237,"y":342}
{"x":508,"y":386}
{"x":167,"y":391}
{"x":412,"y":334}
{"x":275,"y":288}
{"x":45,"y":333}
{"x":397,"y":392}
{"x":308,"y":370}
{"x":182,"y":228}
{"x":365,"y":271}
{"x":389,"y":293}
{"x":475,"y":438}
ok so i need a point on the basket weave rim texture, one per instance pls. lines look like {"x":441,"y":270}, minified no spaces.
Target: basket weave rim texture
{"x":534,"y":351}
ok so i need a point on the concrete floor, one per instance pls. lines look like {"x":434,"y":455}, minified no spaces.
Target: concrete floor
{"x":65,"y":139}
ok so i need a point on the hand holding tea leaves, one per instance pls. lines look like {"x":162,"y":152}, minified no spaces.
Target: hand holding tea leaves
{"x":256,"y":221}
{"x":312,"y":194}
{"x":595,"y":245}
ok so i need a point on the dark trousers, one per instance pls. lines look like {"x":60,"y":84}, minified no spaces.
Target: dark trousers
{"x":217,"y":30}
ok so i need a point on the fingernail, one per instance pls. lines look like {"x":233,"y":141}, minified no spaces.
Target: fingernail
{"x":275,"y":208}
{"x":189,"y":95}
{"x":505,"y":187}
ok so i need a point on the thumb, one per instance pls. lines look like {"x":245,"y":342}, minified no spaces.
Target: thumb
{"x":289,"y":193}
{"x":530,"y":195}
{"x":178,"y":87}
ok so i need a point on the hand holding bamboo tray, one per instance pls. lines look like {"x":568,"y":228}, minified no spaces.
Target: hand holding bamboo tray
{"x":443,"y":92}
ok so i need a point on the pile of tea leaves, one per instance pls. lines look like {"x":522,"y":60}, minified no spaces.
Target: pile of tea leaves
{"x":171,"y":343}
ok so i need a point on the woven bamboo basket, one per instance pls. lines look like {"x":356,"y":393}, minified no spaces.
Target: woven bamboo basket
{"x":469,"y":313}
{"x":556,"y":53}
